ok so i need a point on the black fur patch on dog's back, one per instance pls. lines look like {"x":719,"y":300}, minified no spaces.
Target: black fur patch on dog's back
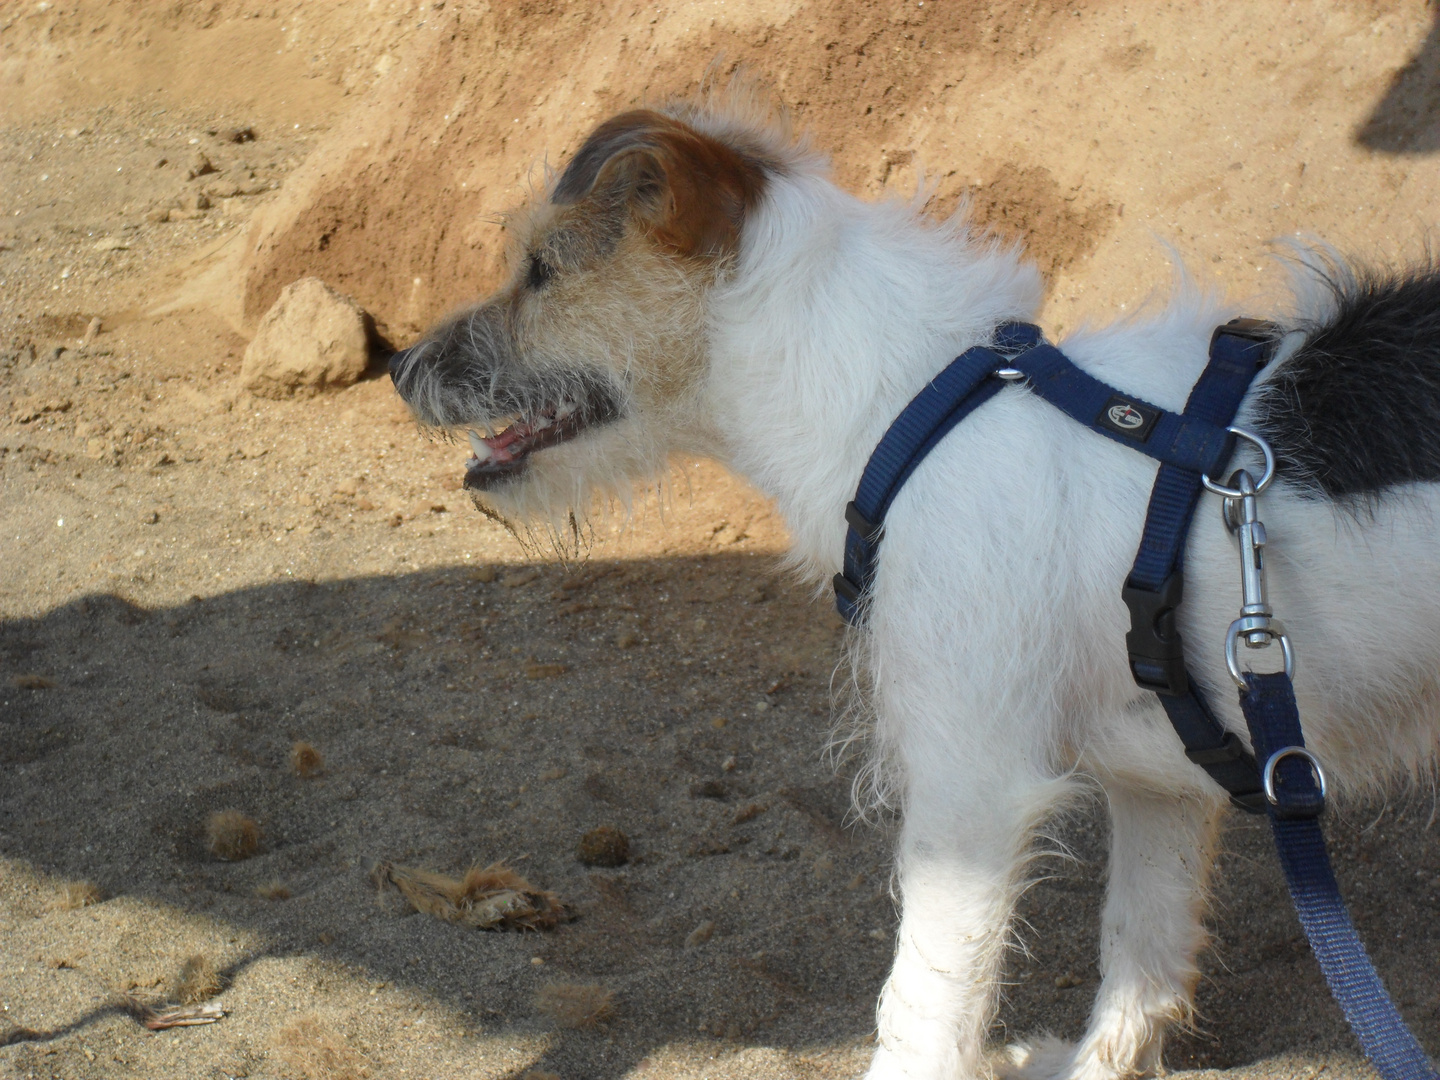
{"x":1356,"y":409}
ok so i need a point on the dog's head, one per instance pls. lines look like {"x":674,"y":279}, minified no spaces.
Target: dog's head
{"x":584,"y":370}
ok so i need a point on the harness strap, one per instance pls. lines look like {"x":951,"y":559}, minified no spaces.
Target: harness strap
{"x":955,"y":393}
{"x":1188,"y":445}
{"x":1182,"y":440}
{"x":1268,"y":702}
{"x":1156,"y":584}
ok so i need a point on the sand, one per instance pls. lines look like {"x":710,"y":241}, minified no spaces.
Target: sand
{"x":195,"y":579}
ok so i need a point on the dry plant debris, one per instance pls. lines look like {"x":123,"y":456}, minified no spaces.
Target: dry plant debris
{"x":748,"y":812}
{"x":232,"y":835}
{"x":309,"y":1050}
{"x":489,"y":898}
{"x":196,"y":981}
{"x":77,"y":894}
{"x":576,"y":1005}
{"x":273,"y":890}
{"x":306,"y":760}
{"x":163,"y":1019}
{"x":604,"y":846}
{"x":701,"y":934}
{"x":33,"y":682}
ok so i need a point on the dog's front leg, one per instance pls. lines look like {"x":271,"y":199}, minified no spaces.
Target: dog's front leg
{"x":967,"y":832}
{"x":1161,"y":852}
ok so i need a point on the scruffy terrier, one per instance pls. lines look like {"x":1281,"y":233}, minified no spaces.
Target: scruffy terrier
{"x":693,"y":283}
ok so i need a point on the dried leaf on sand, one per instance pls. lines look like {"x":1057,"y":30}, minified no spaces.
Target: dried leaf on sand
{"x":489,"y":898}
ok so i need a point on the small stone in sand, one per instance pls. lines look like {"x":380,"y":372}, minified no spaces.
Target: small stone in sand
{"x":310,"y":339}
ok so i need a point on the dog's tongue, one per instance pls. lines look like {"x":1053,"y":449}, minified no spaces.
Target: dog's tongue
{"x":497,"y":447}
{"x":500,"y":444}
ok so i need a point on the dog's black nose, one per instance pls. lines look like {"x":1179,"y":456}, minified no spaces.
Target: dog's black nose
{"x":397,"y":361}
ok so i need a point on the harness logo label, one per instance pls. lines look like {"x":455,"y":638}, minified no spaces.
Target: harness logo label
{"x":1127,"y":418}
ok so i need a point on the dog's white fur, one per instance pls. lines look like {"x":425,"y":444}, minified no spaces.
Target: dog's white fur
{"x":994,"y":648}
{"x":995,"y":643}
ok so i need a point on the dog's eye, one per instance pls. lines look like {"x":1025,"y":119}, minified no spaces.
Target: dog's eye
{"x":538,"y":274}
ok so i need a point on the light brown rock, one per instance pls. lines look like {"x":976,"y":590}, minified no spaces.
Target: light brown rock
{"x":312,"y":338}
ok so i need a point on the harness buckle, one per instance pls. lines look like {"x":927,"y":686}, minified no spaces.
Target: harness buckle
{"x":1157,"y":655}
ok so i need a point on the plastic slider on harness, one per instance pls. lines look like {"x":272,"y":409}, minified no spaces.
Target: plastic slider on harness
{"x":847,"y":593}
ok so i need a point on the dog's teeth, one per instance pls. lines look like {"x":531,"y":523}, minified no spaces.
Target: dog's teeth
{"x":542,"y":423}
{"x":477,"y":444}
{"x":565,"y":409}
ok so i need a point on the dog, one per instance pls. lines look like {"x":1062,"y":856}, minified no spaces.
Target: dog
{"x":693,"y":283}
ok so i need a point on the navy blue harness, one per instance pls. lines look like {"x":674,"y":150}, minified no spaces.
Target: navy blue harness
{"x":1195,"y":443}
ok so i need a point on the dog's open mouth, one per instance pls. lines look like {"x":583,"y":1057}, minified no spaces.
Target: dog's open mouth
{"x":503,"y":455}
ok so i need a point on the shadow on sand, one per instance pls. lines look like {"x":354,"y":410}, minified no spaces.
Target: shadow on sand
{"x":1407,"y":119}
{"x":466,"y":716}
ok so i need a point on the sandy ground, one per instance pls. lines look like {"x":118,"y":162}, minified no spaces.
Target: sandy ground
{"x":194,"y":579}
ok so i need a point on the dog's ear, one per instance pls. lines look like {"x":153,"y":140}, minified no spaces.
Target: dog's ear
{"x":688,"y":191}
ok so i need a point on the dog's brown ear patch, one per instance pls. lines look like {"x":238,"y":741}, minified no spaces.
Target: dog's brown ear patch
{"x":690,"y":191}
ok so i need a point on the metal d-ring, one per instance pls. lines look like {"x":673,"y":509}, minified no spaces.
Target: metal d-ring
{"x":1274,"y":628}
{"x":1267,"y":775}
{"x":1262,"y":484}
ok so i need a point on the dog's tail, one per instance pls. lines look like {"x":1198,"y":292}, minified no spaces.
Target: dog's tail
{"x":1355,"y":410}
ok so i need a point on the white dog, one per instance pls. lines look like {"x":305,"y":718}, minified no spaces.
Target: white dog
{"x":694,"y":283}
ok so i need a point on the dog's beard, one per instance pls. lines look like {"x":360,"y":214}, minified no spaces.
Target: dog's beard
{"x":505,"y":418}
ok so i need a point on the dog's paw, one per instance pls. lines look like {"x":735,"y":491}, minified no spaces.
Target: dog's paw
{"x":1045,"y":1058}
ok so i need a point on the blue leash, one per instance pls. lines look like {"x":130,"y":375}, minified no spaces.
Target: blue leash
{"x":1191,"y":447}
{"x":1269,"y":705}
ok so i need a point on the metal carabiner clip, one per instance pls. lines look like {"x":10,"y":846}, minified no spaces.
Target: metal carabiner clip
{"x":1257,"y":623}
